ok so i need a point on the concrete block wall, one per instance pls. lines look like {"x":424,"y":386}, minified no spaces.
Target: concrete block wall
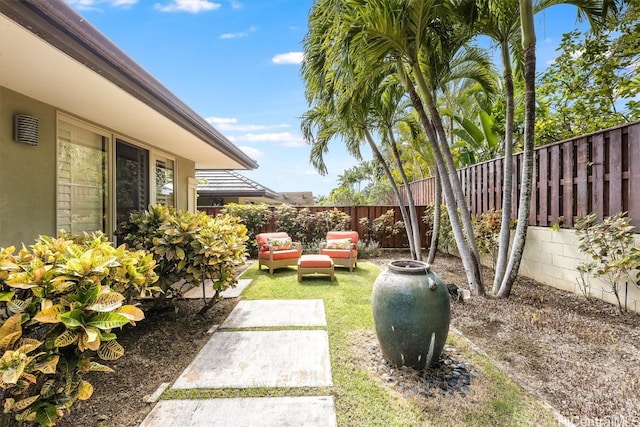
{"x":552,"y":256}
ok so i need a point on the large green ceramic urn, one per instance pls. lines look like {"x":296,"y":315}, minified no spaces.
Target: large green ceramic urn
{"x":411,"y":313}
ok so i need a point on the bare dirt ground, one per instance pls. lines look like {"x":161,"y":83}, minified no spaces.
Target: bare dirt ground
{"x":582,"y":357}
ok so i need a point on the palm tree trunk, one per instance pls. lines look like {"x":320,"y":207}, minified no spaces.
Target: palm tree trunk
{"x":394,"y":186}
{"x":413,"y":214}
{"x":529,"y":45}
{"x":507,"y":186}
{"x":437,"y":207}
{"x":465,"y":215}
{"x":447,"y":188}
{"x":468,"y":241}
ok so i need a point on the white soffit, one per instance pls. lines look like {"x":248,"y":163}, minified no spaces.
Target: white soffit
{"x":32,"y":67}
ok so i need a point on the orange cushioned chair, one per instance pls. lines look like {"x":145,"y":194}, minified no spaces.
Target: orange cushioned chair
{"x":342,"y":247}
{"x":276,"y":250}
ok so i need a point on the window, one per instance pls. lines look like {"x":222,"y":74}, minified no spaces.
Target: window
{"x":164,"y":175}
{"x":81,"y":179}
{"x":132,"y":180}
{"x":102,"y":179}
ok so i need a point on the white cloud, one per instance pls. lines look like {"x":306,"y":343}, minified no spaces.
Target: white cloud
{"x":230,"y":124}
{"x":236,"y":5}
{"x":221,"y":120}
{"x":252,"y":152}
{"x":93,"y":4}
{"x":577,"y":53}
{"x":191,"y":6}
{"x":288,"y":58}
{"x":240,"y":34}
{"x":252,"y":128}
{"x":285,"y":139}
{"x":123,"y":3}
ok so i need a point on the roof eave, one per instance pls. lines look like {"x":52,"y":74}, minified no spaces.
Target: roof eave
{"x":59,"y":25}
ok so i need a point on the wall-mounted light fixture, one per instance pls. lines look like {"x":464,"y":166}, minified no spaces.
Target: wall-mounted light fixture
{"x":25,"y":129}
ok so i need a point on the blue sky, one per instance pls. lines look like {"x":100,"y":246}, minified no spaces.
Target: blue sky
{"x":237,"y":64}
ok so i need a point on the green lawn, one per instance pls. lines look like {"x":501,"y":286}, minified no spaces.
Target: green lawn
{"x":362,"y":400}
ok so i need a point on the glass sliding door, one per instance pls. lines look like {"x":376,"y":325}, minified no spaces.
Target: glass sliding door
{"x":81,"y":179}
{"x":132,"y":180}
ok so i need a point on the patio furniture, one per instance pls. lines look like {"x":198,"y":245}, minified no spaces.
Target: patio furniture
{"x":276,"y":250}
{"x":315,"y":264}
{"x":342,"y":247}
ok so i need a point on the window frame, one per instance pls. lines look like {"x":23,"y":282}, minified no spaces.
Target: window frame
{"x":110,"y":170}
{"x":156,"y":155}
{"x":107,"y":174}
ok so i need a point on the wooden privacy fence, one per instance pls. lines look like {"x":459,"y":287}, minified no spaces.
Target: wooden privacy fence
{"x":599,"y":172}
{"x":355,"y":213}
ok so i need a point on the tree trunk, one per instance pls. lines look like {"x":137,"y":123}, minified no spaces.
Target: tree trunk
{"x":529,"y":45}
{"x":452,"y":177}
{"x":413,"y":214}
{"x":437,"y":207}
{"x":450,"y":200}
{"x":507,"y":177}
{"x":208,"y":304}
{"x":461,"y":200}
{"x":396,"y":191}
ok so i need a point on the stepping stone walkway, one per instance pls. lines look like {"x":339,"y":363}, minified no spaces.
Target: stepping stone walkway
{"x":196,"y":292}
{"x":239,"y":358}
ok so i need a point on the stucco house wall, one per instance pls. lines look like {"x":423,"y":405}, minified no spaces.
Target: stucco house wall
{"x":185,"y":171}
{"x":27,"y":173}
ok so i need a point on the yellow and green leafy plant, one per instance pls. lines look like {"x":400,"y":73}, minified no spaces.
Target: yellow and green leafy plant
{"x":60,"y":303}
{"x":189,"y":247}
{"x":253,"y":216}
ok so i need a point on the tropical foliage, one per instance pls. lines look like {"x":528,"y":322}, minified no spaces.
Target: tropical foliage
{"x":593,"y":83}
{"x":609,"y":245}
{"x":377,"y":229}
{"x":253,"y":216}
{"x":309,"y":228}
{"x":191,"y":248}
{"x":379,"y":69}
{"x":60,"y":303}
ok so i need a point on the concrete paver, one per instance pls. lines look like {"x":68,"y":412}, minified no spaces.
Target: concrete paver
{"x":274,"y":313}
{"x":253,"y":359}
{"x":307,"y":411}
{"x":196,"y":293}
{"x":247,"y":359}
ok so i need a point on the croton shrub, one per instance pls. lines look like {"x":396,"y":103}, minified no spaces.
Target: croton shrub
{"x":61,"y":301}
{"x":189,"y":248}
{"x":254,"y":217}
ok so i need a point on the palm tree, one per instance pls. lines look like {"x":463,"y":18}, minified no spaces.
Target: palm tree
{"x":455,"y":61}
{"x":529,"y":48}
{"x":356,"y":100}
{"x":419,"y":152}
{"x":400,"y":32}
{"x":500,"y":20}
{"x":415,"y":36}
{"x":389,"y":109}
